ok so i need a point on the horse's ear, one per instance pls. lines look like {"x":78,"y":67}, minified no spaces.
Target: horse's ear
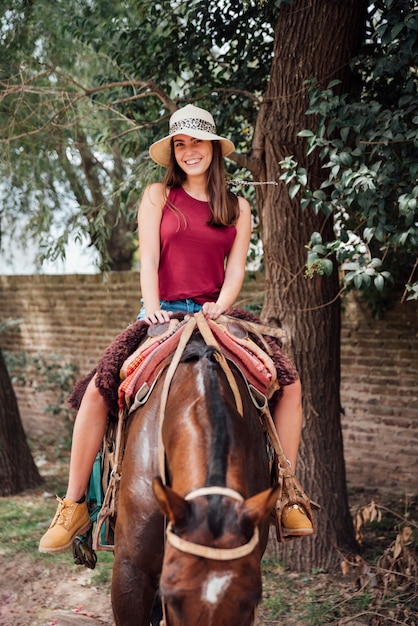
{"x":171,"y":504}
{"x":259,"y":506}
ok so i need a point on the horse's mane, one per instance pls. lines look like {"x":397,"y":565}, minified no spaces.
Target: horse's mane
{"x":197,"y":349}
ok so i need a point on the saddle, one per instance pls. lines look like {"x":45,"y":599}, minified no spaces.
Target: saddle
{"x":142,"y":367}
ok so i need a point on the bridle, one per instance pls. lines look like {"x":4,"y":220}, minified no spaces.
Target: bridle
{"x":184,"y":545}
{"x":219,"y":554}
{"x":207,"y":552}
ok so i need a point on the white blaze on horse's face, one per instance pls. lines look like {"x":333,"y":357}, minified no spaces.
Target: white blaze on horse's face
{"x":215,"y":587}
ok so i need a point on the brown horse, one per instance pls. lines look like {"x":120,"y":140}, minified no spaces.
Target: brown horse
{"x":215,"y":494}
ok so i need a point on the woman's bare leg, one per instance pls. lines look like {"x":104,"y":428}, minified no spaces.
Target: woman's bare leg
{"x":88,"y":433}
{"x":287,"y":416}
{"x":72,"y":516}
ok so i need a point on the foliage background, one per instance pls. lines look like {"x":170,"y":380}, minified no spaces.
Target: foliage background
{"x":83,"y":95}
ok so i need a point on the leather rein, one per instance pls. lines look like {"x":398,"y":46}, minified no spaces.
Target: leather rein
{"x":199,"y":321}
{"x":220,"y":554}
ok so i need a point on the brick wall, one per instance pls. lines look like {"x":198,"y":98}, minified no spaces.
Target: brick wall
{"x":379,"y":393}
{"x":78,"y":315}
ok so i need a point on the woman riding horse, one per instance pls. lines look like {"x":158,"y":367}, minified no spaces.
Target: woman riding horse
{"x":193,"y":236}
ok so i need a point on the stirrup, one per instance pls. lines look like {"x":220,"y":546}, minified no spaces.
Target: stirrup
{"x":83,"y":552}
{"x":290,"y":493}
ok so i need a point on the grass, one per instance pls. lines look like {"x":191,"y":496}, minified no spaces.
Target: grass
{"x":23,"y":520}
{"x":25,"y":517}
{"x":304,"y":598}
{"x":320,"y":599}
{"x":20,"y":523}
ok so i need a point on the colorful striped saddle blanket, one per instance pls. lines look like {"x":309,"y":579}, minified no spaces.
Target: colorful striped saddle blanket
{"x":141,"y":368}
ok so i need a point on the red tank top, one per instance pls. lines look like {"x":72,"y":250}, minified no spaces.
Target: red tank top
{"x":192,"y":259}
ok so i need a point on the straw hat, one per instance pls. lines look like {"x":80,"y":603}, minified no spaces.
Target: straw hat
{"x":191,"y":121}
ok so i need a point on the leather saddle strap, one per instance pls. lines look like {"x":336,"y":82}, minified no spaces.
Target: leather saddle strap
{"x":184,"y":338}
{"x":255,"y":327}
{"x":291,"y":483}
{"x":271,"y":429}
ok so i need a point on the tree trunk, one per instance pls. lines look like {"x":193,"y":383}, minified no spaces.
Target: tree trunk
{"x":121,"y":244}
{"x":313,"y":38}
{"x":17,"y":468}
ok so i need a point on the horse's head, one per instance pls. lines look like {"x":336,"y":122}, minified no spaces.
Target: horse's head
{"x":211,"y":572}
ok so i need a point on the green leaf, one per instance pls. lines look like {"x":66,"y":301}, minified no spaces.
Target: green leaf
{"x":312,"y":258}
{"x":306,"y":133}
{"x":302,"y":177}
{"x":353,"y":266}
{"x":358,"y":281}
{"x":316,"y":238}
{"x":320,"y":249}
{"x":344,"y":132}
{"x":368,"y":234}
{"x":335,"y":170}
{"x":293,"y":190}
{"x":379,"y":282}
{"x":366,"y":280}
{"x":318,"y":194}
{"x":327,"y":266}
{"x":397,"y":29}
{"x":346,"y":158}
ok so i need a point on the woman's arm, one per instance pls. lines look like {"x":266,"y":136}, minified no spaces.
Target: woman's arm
{"x":235,"y":266}
{"x":149,"y":220}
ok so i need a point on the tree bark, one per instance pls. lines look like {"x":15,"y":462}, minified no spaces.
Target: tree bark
{"x":17,"y":468}
{"x":313,"y":38}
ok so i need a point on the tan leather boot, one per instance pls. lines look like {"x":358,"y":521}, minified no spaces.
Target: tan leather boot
{"x":295,"y":521}
{"x":71,"y":519}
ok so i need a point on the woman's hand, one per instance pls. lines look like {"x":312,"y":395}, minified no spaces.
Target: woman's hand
{"x":212,"y":310}
{"x":158,"y":317}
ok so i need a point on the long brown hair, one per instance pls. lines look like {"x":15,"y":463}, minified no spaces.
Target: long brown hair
{"x":223,"y":203}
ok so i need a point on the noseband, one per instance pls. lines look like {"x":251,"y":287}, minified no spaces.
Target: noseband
{"x":216,"y":554}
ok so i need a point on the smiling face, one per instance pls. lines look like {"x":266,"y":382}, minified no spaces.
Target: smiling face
{"x":193,"y":156}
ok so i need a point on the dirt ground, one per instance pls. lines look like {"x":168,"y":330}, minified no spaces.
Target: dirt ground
{"x":45,"y":591}
{"x":49,"y":594}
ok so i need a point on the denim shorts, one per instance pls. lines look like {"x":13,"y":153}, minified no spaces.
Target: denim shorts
{"x":175,"y":306}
